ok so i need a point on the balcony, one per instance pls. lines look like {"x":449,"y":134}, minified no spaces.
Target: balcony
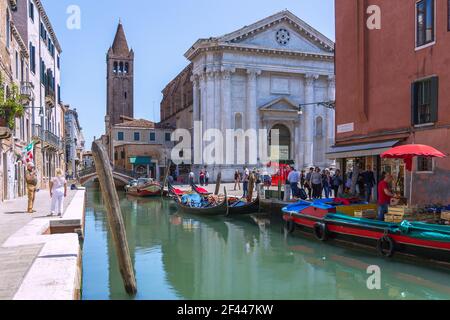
{"x":49,"y":139}
{"x":50,"y":99}
{"x":26,"y":91}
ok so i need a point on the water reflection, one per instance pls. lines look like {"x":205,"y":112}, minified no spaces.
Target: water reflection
{"x":177,"y":256}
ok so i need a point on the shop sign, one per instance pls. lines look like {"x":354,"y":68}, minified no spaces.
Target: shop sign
{"x":348,"y":127}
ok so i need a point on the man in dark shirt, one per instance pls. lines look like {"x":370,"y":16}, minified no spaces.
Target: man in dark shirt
{"x":368,"y":178}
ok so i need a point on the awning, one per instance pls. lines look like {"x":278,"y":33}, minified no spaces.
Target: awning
{"x":360,"y":150}
{"x":140,"y":160}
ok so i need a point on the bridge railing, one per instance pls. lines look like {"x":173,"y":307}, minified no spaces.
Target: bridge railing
{"x":122,"y":171}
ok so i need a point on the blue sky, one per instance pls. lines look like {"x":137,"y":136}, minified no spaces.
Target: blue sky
{"x":160,"y":32}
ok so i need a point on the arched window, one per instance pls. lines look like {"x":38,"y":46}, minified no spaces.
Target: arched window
{"x":319,"y":127}
{"x":115,"y":69}
{"x":238,"y":121}
{"x":126,"y":67}
{"x":121,"y":67}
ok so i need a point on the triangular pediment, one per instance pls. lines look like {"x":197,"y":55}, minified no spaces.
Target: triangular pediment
{"x":283,"y":31}
{"x":282,"y":104}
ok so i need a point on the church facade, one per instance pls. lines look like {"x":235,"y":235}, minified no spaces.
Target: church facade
{"x":272,"y":74}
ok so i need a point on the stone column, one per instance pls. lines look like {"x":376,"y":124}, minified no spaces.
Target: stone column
{"x":217,"y":101}
{"x":226,"y":114}
{"x":308,"y":114}
{"x":252,"y":112}
{"x":209,"y":107}
{"x":195,"y":101}
{"x":203,"y":109}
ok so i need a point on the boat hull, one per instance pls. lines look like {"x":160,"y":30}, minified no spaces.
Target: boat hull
{"x":249,"y":208}
{"x":146,"y":191}
{"x":369,"y":236}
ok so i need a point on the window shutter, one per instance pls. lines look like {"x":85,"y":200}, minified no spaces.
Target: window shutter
{"x":434,"y":98}
{"x":414,"y":104}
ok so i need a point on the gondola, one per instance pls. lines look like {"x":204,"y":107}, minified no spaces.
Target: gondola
{"x":207,"y":209}
{"x":200,"y":190}
{"x":240,"y":207}
{"x":412,"y":239}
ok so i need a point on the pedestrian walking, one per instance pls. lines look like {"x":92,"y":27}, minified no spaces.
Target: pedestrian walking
{"x":337,"y":182}
{"x":245,"y":182}
{"x":368,"y":178}
{"x":308,"y":185}
{"x":384,"y":196}
{"x":206,"y":177}
{"x":202,"y":177}
{"x":316,"y":184}
{"x":287,"y":185}
{"x":191,"y":177}
{"x":237,"y":180}
{"x":326,"y":183}
{"x":58,"y":191}
{"x":294,"y":179}
{"x":31,"y":182}
{"x":302,"y":179}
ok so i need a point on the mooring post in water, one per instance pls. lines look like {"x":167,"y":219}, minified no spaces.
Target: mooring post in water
{"x":114,"y":214}
{"x":218,"y":182}
{"x":166,"y":176}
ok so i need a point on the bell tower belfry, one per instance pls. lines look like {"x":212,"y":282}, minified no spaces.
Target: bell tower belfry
{"x":120,"y":80}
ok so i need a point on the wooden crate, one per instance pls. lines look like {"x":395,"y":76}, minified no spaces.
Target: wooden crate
{"x":367,"y":214}
{"x":394,"y":218}
{"x":445,"y":215}
{"x":351,"y":209}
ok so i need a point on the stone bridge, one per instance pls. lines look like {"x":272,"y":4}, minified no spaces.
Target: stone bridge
{"x":120,"y":175}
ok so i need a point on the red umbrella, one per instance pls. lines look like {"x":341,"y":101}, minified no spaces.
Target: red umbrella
{"x":408,"y":152}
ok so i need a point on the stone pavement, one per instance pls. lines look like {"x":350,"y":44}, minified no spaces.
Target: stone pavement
{"x":16,"y":261}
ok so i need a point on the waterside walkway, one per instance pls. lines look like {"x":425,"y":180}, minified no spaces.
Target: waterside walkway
{"x":34,"y":264}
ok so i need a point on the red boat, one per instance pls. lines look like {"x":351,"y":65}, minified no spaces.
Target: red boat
{"x":413,"y":239}
{"x":143,"y":188}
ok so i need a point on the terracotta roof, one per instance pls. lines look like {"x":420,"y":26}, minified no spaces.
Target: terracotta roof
{"x":120,"y":45}
{"x":137,"y":123}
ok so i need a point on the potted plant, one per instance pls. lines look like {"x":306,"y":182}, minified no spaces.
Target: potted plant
{"x":10,"y":105}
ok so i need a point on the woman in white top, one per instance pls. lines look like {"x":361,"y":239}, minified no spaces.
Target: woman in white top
{"x":58,"y":190}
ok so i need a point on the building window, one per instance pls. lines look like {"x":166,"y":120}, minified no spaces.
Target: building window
{"x":125,"y":95}
{"x":122,"y":154}
{"x":448,"y":15}
{"x":17,"y":65}
{"x":115,"y":67}
{"x":168,"y":136}
{"x":238,"y":121}
{"x":424,"y":22}
{"x":152,"y":136}
{"x":425,"y":101}
{"x":424,"y":164}
{"x":116,"y":156}
{"x":31,"y":10}
{"x":58,"y":62}
{"x":137,"y":136}
{"x":120,"y":136}
{"x":32,"y":58}
{"x":8,"y":29}
{"x":126,"y":67}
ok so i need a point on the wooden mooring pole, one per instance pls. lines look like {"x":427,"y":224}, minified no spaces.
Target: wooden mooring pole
{"x":218,"y":182}
{"x":114,"y":214}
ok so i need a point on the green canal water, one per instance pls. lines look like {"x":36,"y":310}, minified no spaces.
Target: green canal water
{"x":186,"y":257}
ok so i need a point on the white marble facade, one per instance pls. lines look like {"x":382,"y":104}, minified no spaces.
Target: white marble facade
{"x":258,"y":76}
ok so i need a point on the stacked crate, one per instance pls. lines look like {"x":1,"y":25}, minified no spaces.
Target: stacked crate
{"x":445,"y":216}
{"x":398,"y":214}
{"x":367,"y":214}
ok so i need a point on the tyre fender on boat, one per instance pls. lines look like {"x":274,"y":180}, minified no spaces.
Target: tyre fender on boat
{"x":386,"y":246}
{"x":321,"y":231}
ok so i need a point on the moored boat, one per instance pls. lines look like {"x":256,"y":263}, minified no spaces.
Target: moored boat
{"x":240,"y":207}
{"x":202,"y":205}
{"x":414,"y":239}
{"x":143,"y":187}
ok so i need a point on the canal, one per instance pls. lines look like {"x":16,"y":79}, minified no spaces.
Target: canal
{"x":186,"y":257}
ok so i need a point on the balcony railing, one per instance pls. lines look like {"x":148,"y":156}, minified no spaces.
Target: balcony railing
{"x":26,"y":91}
{"x":48,"y":137}
{"x":50,"y":96}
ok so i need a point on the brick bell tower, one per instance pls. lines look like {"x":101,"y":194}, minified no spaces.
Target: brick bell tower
{"x":120,"y":78}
